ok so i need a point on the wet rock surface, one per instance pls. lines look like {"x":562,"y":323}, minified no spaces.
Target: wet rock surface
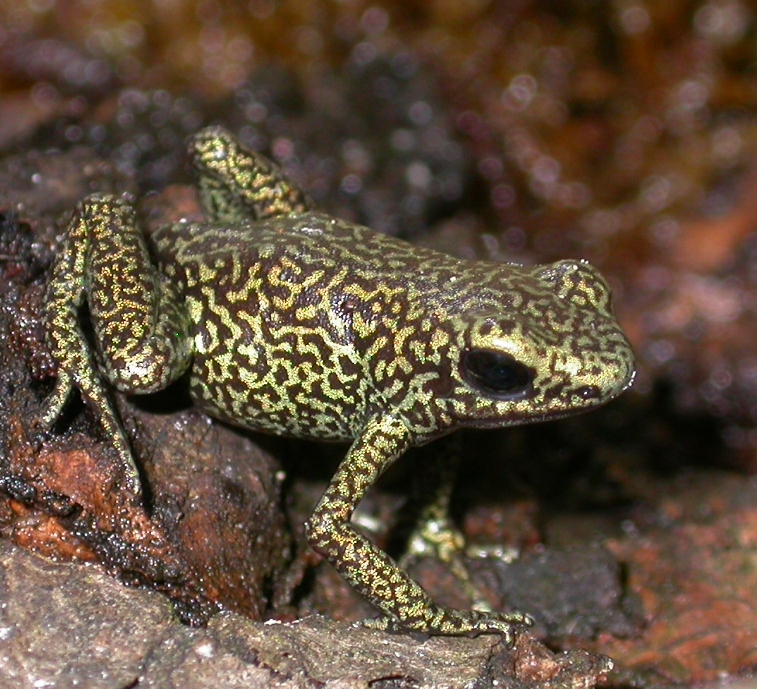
{"x":68,"y":625}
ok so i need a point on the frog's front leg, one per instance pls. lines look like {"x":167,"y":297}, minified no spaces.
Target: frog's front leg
{"x":235,"y":184}
{"x":140,"y":328}
{"x":434,"y":534}
{"x":404,"y":604}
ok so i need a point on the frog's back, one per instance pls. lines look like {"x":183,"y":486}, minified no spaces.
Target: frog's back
{"x":273,"y":305}
{"x":310,"y":237}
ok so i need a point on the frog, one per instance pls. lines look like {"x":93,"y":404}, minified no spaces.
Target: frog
{"x":287,"y":320}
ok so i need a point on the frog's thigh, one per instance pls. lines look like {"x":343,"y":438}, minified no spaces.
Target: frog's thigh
{"x":140,"y":324}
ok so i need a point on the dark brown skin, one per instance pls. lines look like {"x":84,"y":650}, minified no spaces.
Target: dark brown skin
{"x":296,"y":323}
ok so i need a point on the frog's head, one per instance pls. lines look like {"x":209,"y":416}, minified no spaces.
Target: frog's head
{"x":555,"y":349}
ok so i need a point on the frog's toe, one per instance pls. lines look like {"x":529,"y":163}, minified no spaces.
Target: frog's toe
{"x":54,"y":404}
{"x":384,"y":623}
{"x":511,"y":618}
{"x":479,"y":622}
{"x":502,"y":623}
{"x":381,"y":623}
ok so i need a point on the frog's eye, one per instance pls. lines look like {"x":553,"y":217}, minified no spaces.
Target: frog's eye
{"x":496,"y":373}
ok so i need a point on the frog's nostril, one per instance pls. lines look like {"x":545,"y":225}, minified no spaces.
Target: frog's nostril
{"x":588,"y":392}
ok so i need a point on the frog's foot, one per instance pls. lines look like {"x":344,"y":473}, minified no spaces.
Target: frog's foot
{"x":451,"y":622}
{"x":53,"y":408}
{"x":42,"y":424}
{"x":440,"y":539}
{"x":55,"y":403}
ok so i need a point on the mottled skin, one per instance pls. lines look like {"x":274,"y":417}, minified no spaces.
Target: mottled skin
{"x":296,"y":323}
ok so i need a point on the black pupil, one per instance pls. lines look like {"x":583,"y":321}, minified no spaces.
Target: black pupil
{"x":496,"y":373}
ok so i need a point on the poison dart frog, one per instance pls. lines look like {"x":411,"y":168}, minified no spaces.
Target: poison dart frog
{"x":290,"y":321}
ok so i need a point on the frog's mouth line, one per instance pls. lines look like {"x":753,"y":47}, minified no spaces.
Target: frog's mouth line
{"x":583,"y":399}
{"x":520,"y":419}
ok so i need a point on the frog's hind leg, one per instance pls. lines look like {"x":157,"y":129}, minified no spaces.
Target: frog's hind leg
{"x":236,"y":184}
{"x":70,"y":349}
{"x":143,"y":342}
